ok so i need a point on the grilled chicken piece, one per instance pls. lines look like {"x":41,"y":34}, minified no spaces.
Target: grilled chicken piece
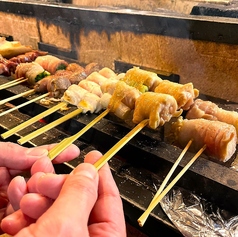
{"x":74,"y":67}
{"x":74,"y":76}
{"x":211,"y":111}
{"x":141,"y":79}
{"x":7,"y":67}
{"x":91,"y":67}
{"x":28,"y":57}
{"x":57,"y":86}
{"x":157,"y":107}
{"x":91,"y":87}
{"x":77,"y":76}
{"x":123,"y":99}
{"x":32,"y":71}
{"x":51,"y":63}
{"x":83,"y":99}
{"x":125,"y":94}
{"x":109,"y":86}
{"x":97,"y":78}
{"x":184,"y":94}
{"x":107,"y":72}
{"x":54,"y":84}
{"x":219,"y":137}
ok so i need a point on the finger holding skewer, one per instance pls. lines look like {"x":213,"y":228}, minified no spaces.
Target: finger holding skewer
{"x":67,"y":141}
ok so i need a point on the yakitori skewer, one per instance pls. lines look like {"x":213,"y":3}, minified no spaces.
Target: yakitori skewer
{"x":54,"y":84}
{"x":86,"y":96}
{"x":119,"y":91}
{"x":52,"y":90}
{"x":160,"y":108}
{"x":159,"y":197}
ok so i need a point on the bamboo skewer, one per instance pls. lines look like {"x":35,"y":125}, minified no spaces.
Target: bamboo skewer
{"x":48,"y":126}
{"x":33,"y":120}
{"x":24,"y":104}
{"x":168,"y":176}
{"x":67,"y":141}
{"x":16,"y":96}
{"x":107,"y":156}
{"x":159,"y":197}
{"x":12,"y":83}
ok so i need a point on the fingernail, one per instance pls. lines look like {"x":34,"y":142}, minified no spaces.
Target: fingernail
{"x":37,"y":151}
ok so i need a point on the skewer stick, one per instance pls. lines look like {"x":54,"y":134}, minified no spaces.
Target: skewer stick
{"x":107,"y":156}
{"x":24,"y":104}
{"x":67,"y":141}
{"x":48,"y":126}
{"x":33,"y":120}
{"x":16,"y":96}
{"x":155,"y":201}
{"x":13,"y":83}
{"x":168,"y":176}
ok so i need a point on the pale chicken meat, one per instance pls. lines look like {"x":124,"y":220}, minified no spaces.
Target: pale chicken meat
{"x":157,"y":107}
{"x":183,"y":93}
{"x":220,"y":138}
{"x":91,"y":87}
{"x":141,"y":79}
{"x":97,"y":78}
{"x":107,"y":72}
{"x":211,"y":111}
{"x":77,"y":96}
{"x":109,"y":86}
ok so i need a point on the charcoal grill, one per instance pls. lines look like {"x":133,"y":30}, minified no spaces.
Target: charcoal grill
{"x":138,"y":167}
{"x":142,"y":164}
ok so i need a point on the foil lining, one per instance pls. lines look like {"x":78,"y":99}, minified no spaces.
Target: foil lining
{"x":195,"y":217}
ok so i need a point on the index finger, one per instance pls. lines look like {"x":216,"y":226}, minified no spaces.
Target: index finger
{"x":108,"y":208}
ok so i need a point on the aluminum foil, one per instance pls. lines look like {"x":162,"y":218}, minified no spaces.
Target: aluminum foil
{"x":195,"y":217}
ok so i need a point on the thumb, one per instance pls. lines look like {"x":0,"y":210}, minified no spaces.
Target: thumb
{"x":76,"y":199}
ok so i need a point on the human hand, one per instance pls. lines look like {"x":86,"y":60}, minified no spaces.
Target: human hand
{"x":86,"y":203}
{"x":15,"y":159}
